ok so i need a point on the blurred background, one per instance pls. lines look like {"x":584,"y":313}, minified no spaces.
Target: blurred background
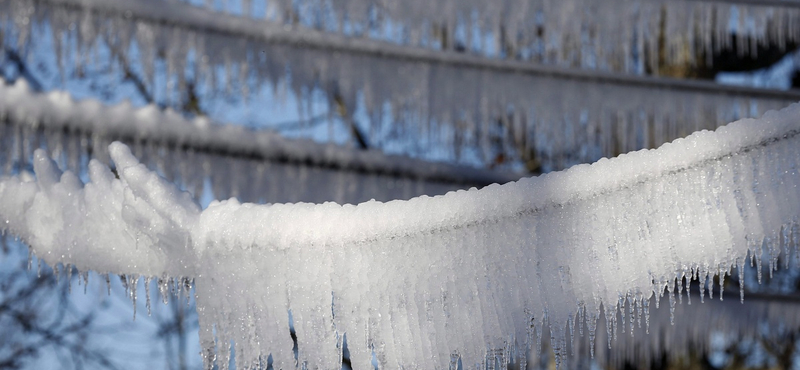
{"x":276,"y":101}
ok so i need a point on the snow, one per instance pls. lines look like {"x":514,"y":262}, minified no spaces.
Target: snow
{"x":475,"y":276}
{"x":457,"y":101}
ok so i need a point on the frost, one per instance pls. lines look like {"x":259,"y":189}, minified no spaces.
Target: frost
{"x":478,"y":276}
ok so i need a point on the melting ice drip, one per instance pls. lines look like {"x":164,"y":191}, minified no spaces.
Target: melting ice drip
{"x":472,"y":276}
{"x":414,"y":98}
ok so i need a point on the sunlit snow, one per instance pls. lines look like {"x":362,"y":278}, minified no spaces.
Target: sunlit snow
{"x":475,"y":276}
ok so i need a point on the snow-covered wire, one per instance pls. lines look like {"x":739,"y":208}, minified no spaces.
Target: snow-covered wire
{"x":471,"y":275}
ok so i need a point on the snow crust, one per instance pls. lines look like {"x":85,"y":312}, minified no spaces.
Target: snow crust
{"x":472,"y":276}
{"x":438,"y":100}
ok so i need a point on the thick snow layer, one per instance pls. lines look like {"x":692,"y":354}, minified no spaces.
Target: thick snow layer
{"x":472,"y":275}
{"x":458,"y":101}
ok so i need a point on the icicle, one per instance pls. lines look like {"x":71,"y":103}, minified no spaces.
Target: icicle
{"x":647,"y":314}
{"x":701,"y":279}
{"x":639,"y":302}
{"x":721,"y":282}
{"x":614,"y":324}
{"x":621,"y":305}
{"x":147,"y":293}
{"x":689,"y":288}
{"x":163,"y":289}
{"x":68,"y":272}
{"x":85,"y":278}
{"x":710,"y":284}
{"x":768,"y":246}
{"x":631,"y":311}
{"x":134,"y":280}
{"x":758,"y":253}
{"x":785,"y":242}
{"x":610,"y":320}
{"x":538,"y":331}
{"x":591,"y":325}
{"x":658,"y":292}
{"x":740,"y":267}
{"x":571,"y":326}
{"x":108,"y":283}
{"x":671,"y":295}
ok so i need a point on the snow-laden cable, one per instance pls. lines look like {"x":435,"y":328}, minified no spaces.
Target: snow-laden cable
{"x":472,"y":275}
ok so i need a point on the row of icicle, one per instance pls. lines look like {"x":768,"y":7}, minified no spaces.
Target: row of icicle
{"x":617,"y":35}
{"x":480,"y":117}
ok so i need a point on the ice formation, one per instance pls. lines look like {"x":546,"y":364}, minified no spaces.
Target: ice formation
{"x":678,"y":330}
{"x":586,"y":33}
{"x":474,"y":276}
{"x":204,"y":156}
{"x":460,"y":101}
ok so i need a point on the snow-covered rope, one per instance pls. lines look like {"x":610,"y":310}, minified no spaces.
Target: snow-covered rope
{"x":545,"y":114}
{"x":471,"y":276}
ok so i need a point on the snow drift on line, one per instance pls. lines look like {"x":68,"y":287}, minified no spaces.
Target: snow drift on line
{"x":472,"y":276}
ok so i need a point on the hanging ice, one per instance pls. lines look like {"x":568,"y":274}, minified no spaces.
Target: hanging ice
{"x":414,"y":97}
{"x":621,"y":35}
{"x":205,"y":157}
{"x":475,"y":275}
